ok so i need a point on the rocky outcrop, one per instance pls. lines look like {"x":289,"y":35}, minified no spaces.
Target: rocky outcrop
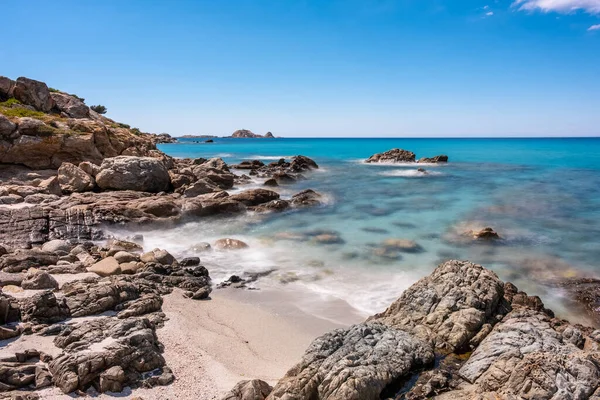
{"x":73,"y":179}
{"x":143,"y":174}
{"x":404,"y":156}
{"x":488,"y":340}
{"x":245,"y":133}
{"x":392,"y":156}
{"x":33,"y":93}
{"x":249,"y":390}
{"x":71,"y":105}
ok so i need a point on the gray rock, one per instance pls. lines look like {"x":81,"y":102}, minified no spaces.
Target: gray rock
{"x":7,"y":87}
{"x":353,"y":364}
{"x":7,"y":278}
{"x":124,"y":257}
{"x":158,"y":256}
{"x":44,"y":308}
{"x":254,"y":197}
{"x":202,"y":186}
{"x":306,"y":198}
{"x":89,"y":168}
{"x":106,"y":267}
{"x":142,"y":174}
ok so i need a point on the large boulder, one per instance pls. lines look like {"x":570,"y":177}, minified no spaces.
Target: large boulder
{"x":39,"y":280}
{"x":143,"y":174}
{"x":70,"y":105}
{"x":392,"y":156}
{"x":7,"y":86}
{"x":73,"y":179}
{"x":33,"y":93}
{"x":249,"y":390}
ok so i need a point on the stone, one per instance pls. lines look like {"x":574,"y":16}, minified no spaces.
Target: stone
{"x":201,"y":247}
{"x":142,"y":174}
{"x":485,"y":234}
{"x":190,"y":262}
{"x":405,"y":245}
{"x":24,"y":259}
{"x":7,"y":87}
{"x":89,"y":168}
{"x":33,"y":93}
{"x":230,"y":244}
{"x":94,"y":296}
{"x":254,"y":197}
{"x":354,"y":364}
{"x":272,"y":182}
{"x":202,"y":186}
{"x":253,"y":164}
{"x":56,"y":245}
{"x":8,"y":278}
{"x":273,"y":206}
{"x":73,"y":179}
{"x":249,"y":390}
{"x":159,"y":256}
{"x":70,"y":105}
{"x":51,"y":186}
{"x":111,"y":380}
{"x":306,"y":198}
{"x":106,"y":267}
{"x":124,"y":257}
{"x":434,"y":160}
{"x":6,"y":127}
{"x":11,"y":199}
{"x":44,"y":308}
{"x":130,"y":267}
{"x":393,"y":156}
{"x":39,"y":280}
{"x":302,"y":163}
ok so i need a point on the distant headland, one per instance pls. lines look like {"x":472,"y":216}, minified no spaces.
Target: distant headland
{"x":240,"y":133}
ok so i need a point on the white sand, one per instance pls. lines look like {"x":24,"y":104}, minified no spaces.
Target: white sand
{"x":211,"y":345}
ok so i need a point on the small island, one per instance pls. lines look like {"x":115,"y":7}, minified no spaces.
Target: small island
{"x":245,"y":133}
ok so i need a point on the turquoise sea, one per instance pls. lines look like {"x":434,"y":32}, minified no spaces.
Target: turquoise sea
{"x":541,"y":195}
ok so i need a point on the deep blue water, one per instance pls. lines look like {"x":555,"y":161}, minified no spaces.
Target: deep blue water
{"x":541,"y":195}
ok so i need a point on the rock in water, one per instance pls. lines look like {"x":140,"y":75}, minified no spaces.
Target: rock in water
{"x":392,"y":156}
{"x":143,"y":174}
{"x":434,"y":160}
{"x":230,"y":244}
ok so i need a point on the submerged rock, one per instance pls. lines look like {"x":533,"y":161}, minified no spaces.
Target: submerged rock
{"x":230,"y":244}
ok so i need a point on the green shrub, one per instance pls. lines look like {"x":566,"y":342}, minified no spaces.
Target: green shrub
{"x":99,"y":109}
{"x":136,"y":131}
{"x":10,"y":102}
{"x":124,"y":126}
{"x":20,"y":112}
{"x":53,"y":90}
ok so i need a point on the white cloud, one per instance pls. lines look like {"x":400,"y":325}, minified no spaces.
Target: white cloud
{"x":486,"y":7}
{"x":594,"y":28}
{"x":561,"y":6}
{"x":489,"y":14}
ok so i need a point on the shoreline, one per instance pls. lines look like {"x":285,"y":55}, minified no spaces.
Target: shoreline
{"x":212,"y":345}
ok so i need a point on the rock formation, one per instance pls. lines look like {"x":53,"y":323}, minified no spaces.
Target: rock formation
{"x":460,"y":333}
{"x":403,"y":156}
{"x":245,"y":133}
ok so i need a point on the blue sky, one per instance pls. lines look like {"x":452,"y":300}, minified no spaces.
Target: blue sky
{"x":320,"y":68}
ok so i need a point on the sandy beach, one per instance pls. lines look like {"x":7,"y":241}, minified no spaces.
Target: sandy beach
{"x":211,"y":345}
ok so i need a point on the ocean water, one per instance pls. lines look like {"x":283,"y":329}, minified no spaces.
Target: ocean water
{"x":541,"y":195}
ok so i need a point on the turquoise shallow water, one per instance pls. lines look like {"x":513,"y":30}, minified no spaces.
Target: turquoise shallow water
{"x":541,"y":195}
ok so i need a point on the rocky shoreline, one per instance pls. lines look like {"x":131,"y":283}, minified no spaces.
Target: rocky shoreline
{"x":92,"y":304}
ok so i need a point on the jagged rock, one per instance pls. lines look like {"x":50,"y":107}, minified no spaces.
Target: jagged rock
{"x":272,"y":182}
{"x":306,"y":198}
{"x":106,"y":267}
{"x":302,"y":163}
{"x":450,"y":306}
{"x":249,"y":390}
{"x":142,"y":174}
{"x":111,"y":380}
{"x":11,"y":199}
{"x":70,"y":105}
{"x":134,"y":348}
{"x":33,"y":93}
{"x":392,"y":156}
{"x":353,"y":364}
{"x":44,"y":308}
{"x":254,"y":197}
{"x":160,"y":207}
{"x":190,"y":262}
{"x":116,"y":245}
{"x":39,"y":280}
{"x":93,"y":296}
{"x":146,"y":304}
{"x":74,"y":179}
{"x":229,"y":244}
{"x":51,"y":186}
